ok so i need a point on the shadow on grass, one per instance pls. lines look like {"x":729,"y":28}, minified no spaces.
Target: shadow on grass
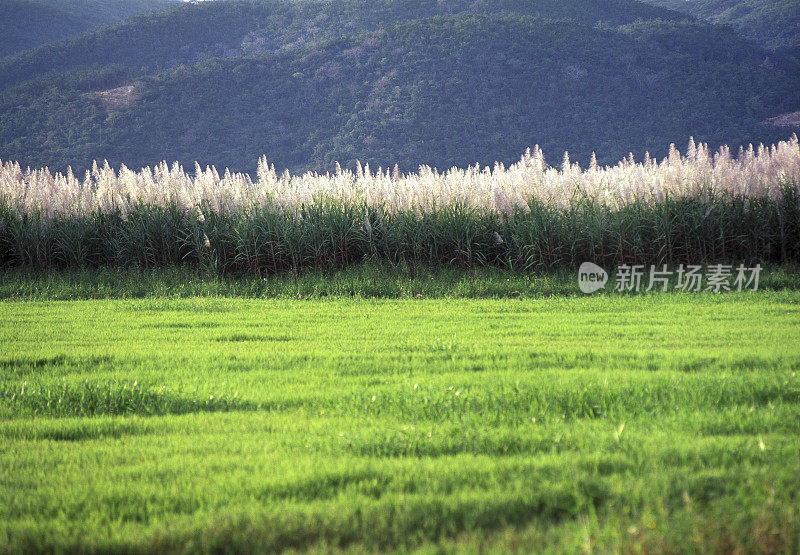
{"x":109,"y":398}
{"x":72,"y":430}
{"x":17,"y":364}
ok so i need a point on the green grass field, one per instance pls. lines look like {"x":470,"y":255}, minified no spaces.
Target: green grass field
{"x":564,"y":423}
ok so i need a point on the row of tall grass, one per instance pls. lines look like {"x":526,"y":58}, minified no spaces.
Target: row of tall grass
{"x":694,"y":208}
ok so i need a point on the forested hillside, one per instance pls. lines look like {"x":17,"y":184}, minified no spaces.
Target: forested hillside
{"x":188,"y":33}
{"x":442,"y":83}
{"x":771,"y":23}
{"x":25,"y":24}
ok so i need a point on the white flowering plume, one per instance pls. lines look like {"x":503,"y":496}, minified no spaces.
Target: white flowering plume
{"x":753,"y":172}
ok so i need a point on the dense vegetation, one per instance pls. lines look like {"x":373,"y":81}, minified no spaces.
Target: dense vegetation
{"x":772,"y":23}
{"x":309,"y":84}
{"x":25,"y":24}
{"x":698,"y":208}
{"x":367,"y":281}
{"x":660,"y":423}
{"x":188,"y":33}
{"x":447,"y":388}
{"x":330,"y":236}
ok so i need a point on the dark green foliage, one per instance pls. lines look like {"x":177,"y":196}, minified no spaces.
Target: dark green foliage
{"x":369,"y":280}
{"x":188,"y":33}
{"x":772,"y":23}
{"x":702,"y":228}
{"x":25,"y":24}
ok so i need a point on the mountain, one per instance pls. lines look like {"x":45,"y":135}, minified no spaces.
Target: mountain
{"x":188,"y":33}
{"x":771,"y":23}
{"x":428,"y":82}
{"x":25,"y":24}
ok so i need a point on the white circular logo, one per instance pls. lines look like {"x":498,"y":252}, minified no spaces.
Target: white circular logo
{"x":591,"y":277}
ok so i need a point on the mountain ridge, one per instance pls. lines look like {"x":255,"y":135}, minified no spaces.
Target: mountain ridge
{"x":47,"y":21}
{"x":441,"y":91}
